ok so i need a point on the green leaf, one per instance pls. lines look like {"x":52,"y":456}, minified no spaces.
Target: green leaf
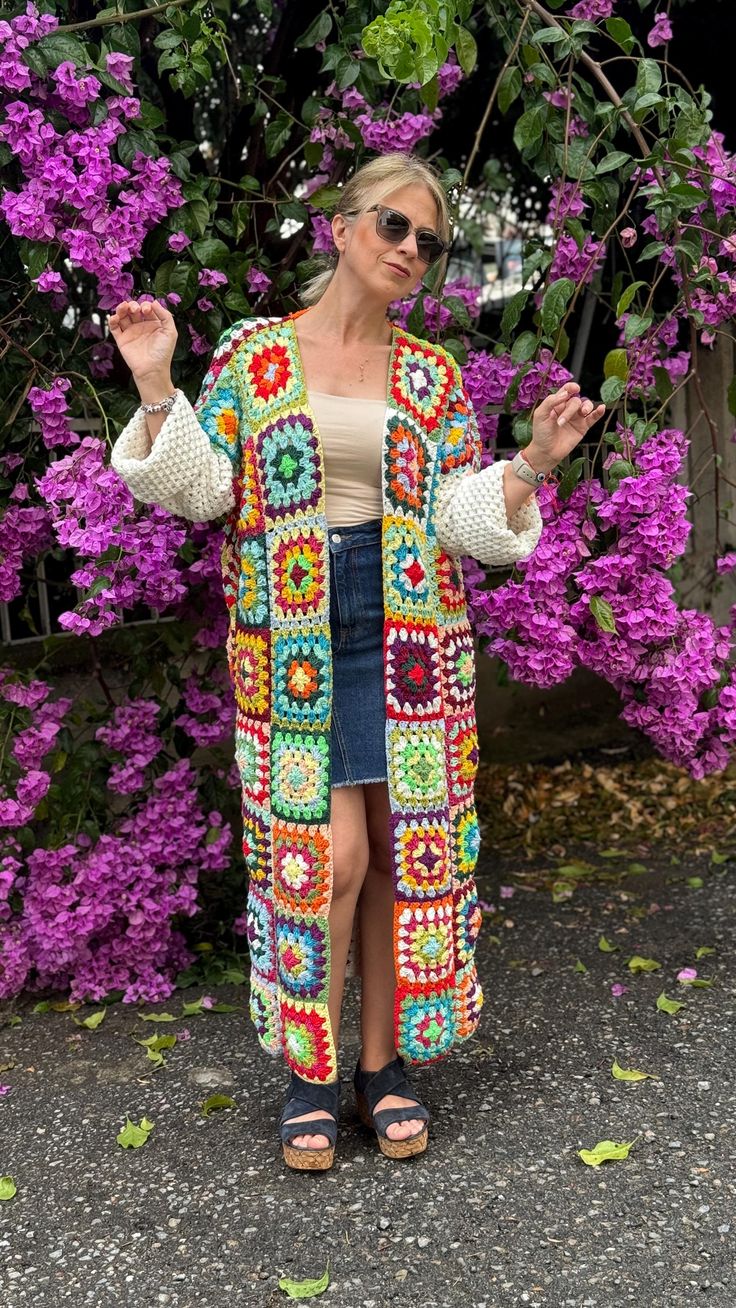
{"x":57,"y":47}
{"x":605,"y":946}
{"x":92,"y":1022}
{"x":639,"y":964}
{"x":636,"y":325}
{"x":580,"y":967}
{"x":616,"y":364}
{"x":695,"y":883}
{"x":570,"y":478}
{"x":157,"y":1017}
{"x":217,"y":1101}
{"x":529,"y":128}
{"x":512,"y":313}
{"x":648,"y":76}
{"x":210,"y":252}
{"x":555,"y":301}
{"x":466,"y":49}
{"x":666,"y":1005}
{"x":562,"y":890}
{"x":509,"y":88}
{"x":616,"y":159}
{"x":305,"y":1289}
{"x":319,"y":30}
{"x":277,"y":134}
{"x":7,"y":1187}
{"x":524,"y":347}
{"x":719,"y":858}
{"x":603,"y":614}
{"x":552,"y":36}
{"x":618,"y":29}
{"x":627,"y":297}
{"x":134,"y":1135}
{"x":703,"y":950}
{"x":605,"y":1151}
{"x":628,"y":1074}
{"x":612,"y":390}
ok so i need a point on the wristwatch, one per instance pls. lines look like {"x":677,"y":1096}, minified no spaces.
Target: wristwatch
{"x":163,"y":406}
{"x":524,"y":469}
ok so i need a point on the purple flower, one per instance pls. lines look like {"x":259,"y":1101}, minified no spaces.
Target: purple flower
{"x":661,"y":33}
{"x":257,"y":281}
{"x":211,"y":277}
{"x":178,"y":241}
{"x":592,"y":10}
{"x":627,"y":237}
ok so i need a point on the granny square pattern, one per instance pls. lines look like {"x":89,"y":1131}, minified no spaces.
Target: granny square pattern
{"x":412,"y":668}
{"x":275,"y":569}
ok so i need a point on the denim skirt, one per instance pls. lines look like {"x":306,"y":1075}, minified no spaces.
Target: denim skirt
{"x":358,"y":746}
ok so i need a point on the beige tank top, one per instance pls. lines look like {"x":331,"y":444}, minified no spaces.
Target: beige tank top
{"x":351,"y":429}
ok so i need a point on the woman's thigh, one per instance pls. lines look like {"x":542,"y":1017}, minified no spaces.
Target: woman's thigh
{"x":378,"y":818}
{"x":350,"y":849}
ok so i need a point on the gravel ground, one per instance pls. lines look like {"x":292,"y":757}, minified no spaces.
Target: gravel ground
{"x":500,"y":1210}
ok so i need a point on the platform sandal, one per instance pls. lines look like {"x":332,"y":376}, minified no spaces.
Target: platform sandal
{"x":370,"y":1087}
{"x":304,"y":1097}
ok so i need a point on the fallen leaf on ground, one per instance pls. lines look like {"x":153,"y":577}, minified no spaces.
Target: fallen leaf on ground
{"x":133,"y":1135}
{"x":7,"y":1187}
{"x":639,"y":964}
{"x":217,"y":1101}
{"x":305,"y":1289}
{"x":605,"y":1151}
{"x":666,"y":1005}
{"x":629,"y":1074}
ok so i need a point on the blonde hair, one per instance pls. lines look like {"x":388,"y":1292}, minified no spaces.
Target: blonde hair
{"x":369,"y":185}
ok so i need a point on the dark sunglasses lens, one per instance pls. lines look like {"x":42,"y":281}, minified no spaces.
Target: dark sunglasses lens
{"x":394,"y":226}
{"x":429,"y":247}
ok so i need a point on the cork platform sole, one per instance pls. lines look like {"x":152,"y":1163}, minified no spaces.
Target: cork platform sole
{"x":416,"y":1144}
{"x":309,"y":1160}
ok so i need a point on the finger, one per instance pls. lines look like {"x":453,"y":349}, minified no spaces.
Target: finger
{"x":544,"y":409}
{"x":570,"y":411}
{"x":596,"y":414}
{"x":159,"y":311}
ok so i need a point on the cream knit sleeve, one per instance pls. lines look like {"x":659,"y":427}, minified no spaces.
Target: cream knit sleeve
{"x":470,"y":518}
{"x":183,"y":471}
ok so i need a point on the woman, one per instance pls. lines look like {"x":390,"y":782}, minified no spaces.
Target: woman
{"x":345,"y":454}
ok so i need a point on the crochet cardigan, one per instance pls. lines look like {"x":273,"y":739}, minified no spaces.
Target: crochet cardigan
{"x":249,"y":449}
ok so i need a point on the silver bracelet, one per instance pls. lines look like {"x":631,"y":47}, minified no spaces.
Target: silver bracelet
{"x":163,"y":406}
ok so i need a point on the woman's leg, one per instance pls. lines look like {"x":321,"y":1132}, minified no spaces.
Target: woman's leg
{"x":376,"y":908}
{"x":350,"y":861}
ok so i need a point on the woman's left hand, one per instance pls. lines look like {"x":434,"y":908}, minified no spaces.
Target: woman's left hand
{"x":558,"y":424}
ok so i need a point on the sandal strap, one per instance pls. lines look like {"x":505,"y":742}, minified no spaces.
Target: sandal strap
{"x":305,"y":1096}
{"x":389,"y":1080}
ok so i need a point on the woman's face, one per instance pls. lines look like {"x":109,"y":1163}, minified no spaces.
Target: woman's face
{"x":391,"y":270}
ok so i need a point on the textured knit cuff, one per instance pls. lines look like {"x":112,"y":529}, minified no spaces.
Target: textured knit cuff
{"x":471,"y":518}
{"x":182,"y":471}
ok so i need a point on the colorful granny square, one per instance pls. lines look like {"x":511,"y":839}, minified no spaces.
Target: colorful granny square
{"x":218,"y":413}
{"x":416,"y":765}
{"x":302,"y":867}
{"x":421,"y":856}
{"x":250,"y":670}
{"x":406,"y":473}
{"x":230,"y":568}
{"x":412,"y":671}
{"x":271,"y":380}
{"x":421,"y":381}
{"x":459,"y":446}
{"x":424,"y":941}
{"x":450,"y":590}
{"x":252,"y":593}
{"x":260,"y":933}
{"x":300,"y":771}
{"x":307,"y":1037}
{"x":425,"y":1023}
{"x":264,"y":1013}
{"x":468,"y":1001}
{"x":289,"y":457}
{"x":252,"y":755}
{"x":302,"y":677}
{"x":303,"y":953}
{"x":462,"y":757}
{"x":256,"y":848}
{"x":406,"y":584}
{"x":468,"y":918}
{"x":457,"y":660}
{"x":248,"y":503}
{"x":465,"y":839}
{"x":299,"y":577}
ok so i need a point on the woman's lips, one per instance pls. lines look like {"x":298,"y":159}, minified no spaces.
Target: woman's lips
{"x":397,"y":268}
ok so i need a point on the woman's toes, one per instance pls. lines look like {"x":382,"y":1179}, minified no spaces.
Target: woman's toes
{"x":402,"y":1130}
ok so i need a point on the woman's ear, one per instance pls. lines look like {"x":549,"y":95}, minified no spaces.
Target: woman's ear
{"x":339,"y":228}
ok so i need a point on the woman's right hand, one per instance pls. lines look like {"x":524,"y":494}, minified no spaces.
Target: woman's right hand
{"x":146,"y":335}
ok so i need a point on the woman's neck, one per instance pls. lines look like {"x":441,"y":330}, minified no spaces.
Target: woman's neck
{"x":343,"y":319}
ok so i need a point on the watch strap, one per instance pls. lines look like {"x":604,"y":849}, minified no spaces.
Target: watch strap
{"x":525,"y":471}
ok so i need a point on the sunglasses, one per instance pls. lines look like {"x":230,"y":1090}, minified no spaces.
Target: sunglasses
{"x":394,"y":227}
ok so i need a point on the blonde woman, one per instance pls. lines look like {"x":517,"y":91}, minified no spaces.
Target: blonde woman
{"x":344,"y":455}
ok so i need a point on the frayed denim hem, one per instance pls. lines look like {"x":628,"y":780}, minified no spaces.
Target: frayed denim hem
{"x":365,"y":781}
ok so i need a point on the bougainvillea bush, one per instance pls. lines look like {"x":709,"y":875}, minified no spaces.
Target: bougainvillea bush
{"x":193,"y":153}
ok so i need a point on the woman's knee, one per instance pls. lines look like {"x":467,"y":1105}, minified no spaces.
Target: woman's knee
{"x":349,"y":866}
